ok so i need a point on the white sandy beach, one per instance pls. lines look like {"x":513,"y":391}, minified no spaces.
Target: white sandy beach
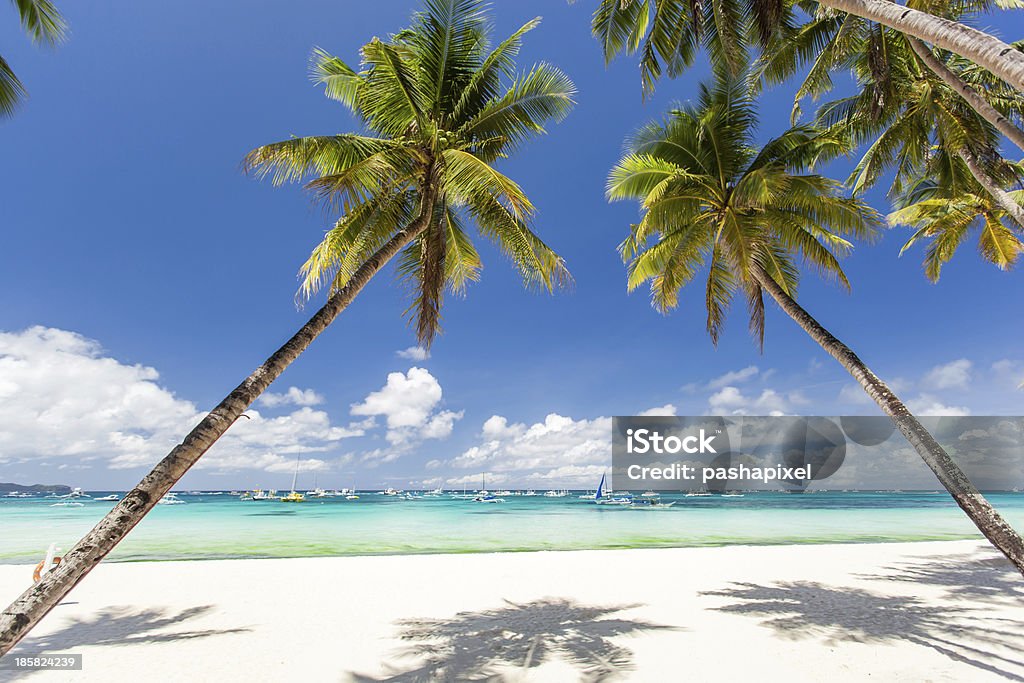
{"x":946,"y":611}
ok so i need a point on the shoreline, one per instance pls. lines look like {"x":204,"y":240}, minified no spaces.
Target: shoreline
{"x":430,"y":553}
{"x":942,"y":609}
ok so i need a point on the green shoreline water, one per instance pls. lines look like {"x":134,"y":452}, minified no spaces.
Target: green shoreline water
{"x":223,"y":527}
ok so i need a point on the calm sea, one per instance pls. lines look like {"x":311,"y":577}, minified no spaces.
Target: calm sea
{"x":210,"y":526}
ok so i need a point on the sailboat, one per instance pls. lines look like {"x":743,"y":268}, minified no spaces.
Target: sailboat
{"x":294,"y":496}
{"x":601,"y":499}
{"x":485,"y":496}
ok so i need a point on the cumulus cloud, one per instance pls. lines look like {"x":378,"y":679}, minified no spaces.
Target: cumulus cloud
{"x":731,"y":401}
{"x":415,"y":353}
{"x":953,"y":375}
{"x":64,"y":401}
{"x":559,"y":451}
{"x":667,"y":410}
{"x":294,"y":396}
{"x":928,"y":405}
{"x":408,"y":402}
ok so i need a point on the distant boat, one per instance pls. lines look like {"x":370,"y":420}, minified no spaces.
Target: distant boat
{"x":601,"y":499}
{"x":170,"y":499}
{"x":294,"y":496}
{"x":560,"y":493}
{"x":76,"y":493}
{"x":68,"y":504}
{"x":702,"y":492}
{"x":391,"y":492}
{"x":732,"y":495}
{"x":111,"y":497}
{"x":530,"y":492}
{"x":486,"y":497}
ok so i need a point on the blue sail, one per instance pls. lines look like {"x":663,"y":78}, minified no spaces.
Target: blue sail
{"x":600,"y":489}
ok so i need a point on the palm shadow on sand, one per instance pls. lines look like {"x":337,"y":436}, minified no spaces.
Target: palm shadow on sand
{"x":970,"y":634}
{"x":489,"y":645}
{"x":116,"y":626}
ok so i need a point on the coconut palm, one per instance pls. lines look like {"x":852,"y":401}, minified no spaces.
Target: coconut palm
{"x":667,"y":33}
{"x":44,"y":24}
{"x":834,"y":41}
{"x":943,"y":214}
{"x":904,"y":113}
{"x":439,"y":108}
{"x":711,"y":198}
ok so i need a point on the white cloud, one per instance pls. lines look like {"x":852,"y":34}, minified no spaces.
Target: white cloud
{"x":416,"y":353}
{"x":294,"y":396}
{"x":559,"y":451}
{"x":667,"y":410}
{"x":1007,"y":372}
{"x":407,"y":401}
{"x":953,"y":375}
{"x":732,"y":401}
{"x":65,"y":402}
{"x":734,"y":377}
{"x":927,"y":405}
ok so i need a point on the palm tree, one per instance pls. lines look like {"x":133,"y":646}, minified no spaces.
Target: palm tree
{"x":668,"y":32}
{"x":44,"y":24}
{"x":833,"y":41}
{"x":711,"y":197}
{"x":905,"y":113}
{"x":943,"y":212}
{"x":439,"y":107}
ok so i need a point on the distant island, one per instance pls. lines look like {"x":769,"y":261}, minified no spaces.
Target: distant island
{"x":59,"y":489}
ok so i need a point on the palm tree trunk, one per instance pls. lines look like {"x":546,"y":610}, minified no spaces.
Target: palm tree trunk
{"x":981,"y":512}
{"x":981,"y":48}
{"x":37,"y":601}
{"x":972,"y":96}
{"x":1002,"y":197}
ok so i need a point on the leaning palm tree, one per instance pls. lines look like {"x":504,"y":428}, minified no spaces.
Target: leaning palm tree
{"x":711,"y":198}
{"x":904,"y":113}
{"x":44,"y":24}
{"x":667,"y":33}
{"x":831,"y":41}
{"x":439,"y":107}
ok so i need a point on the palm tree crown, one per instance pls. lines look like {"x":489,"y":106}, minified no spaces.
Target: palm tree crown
{"x":710,"y":196}
{"x":43,"y":23}
{"x":439,"y":107}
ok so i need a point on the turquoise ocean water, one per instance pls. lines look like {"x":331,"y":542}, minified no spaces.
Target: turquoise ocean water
{"x":222,"y":526}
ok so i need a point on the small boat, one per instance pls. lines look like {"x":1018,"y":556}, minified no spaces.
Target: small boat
{"x":170,"y":499}
{"x":488,"y":498}
{"x":391,"y":492}
{"x":562,"y":493}
{"x":68,"y":504}
{"x":649,"y":494}
{"x":351,"y":496}
{"x":76,"y":493}
{"x":650,"y":503}
{"x":111,"y":497}
{"x":601,"y":499}
{"x":702,"y":492}
{"x":530,"y":492}
{"x":732,"y":495}
{"x":294,"y":496}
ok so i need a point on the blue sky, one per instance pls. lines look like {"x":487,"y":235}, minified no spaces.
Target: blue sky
{"x":130,"y":238}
